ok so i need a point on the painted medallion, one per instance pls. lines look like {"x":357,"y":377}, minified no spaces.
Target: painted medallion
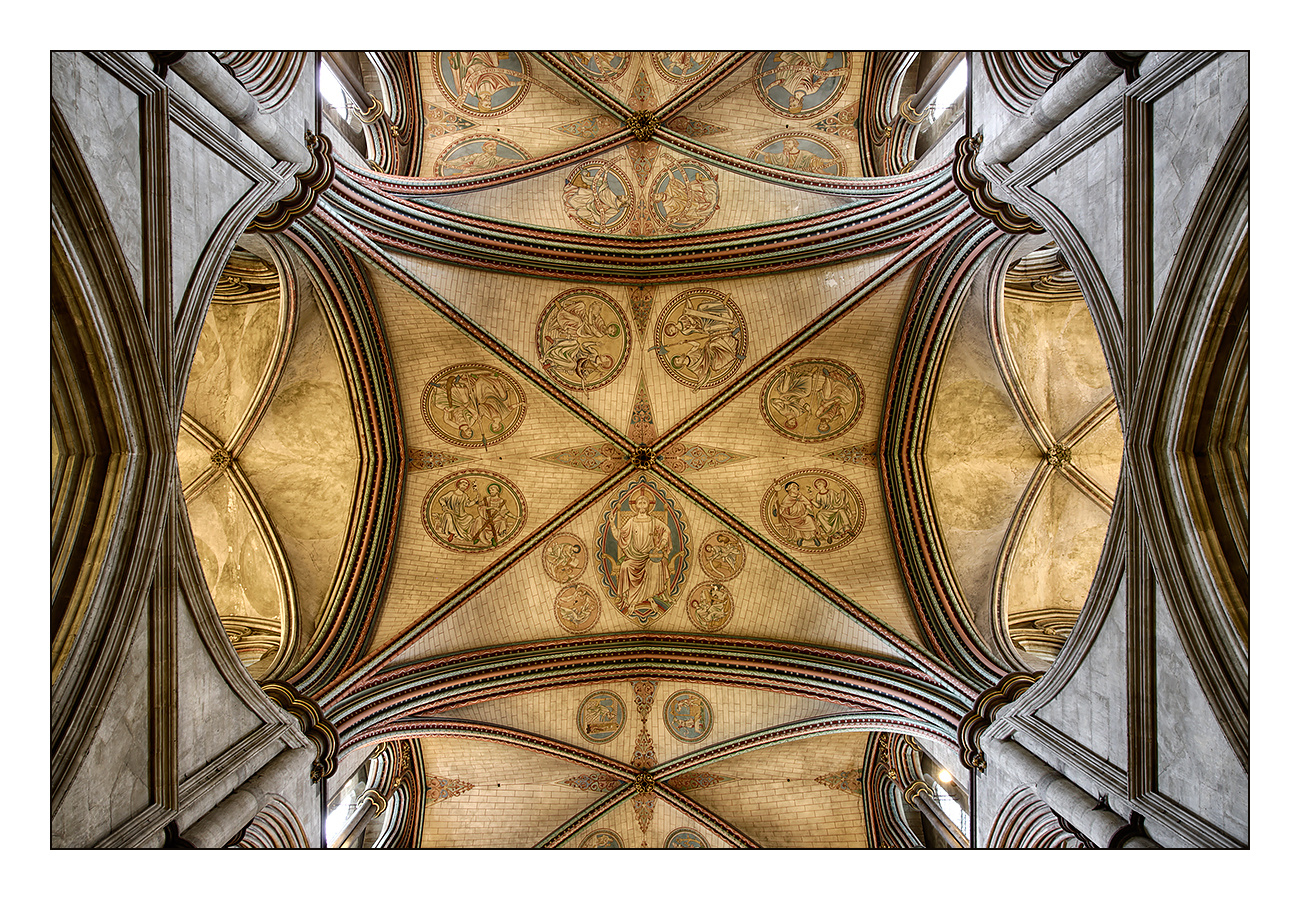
{"x":812,"y":400}
{"x":602,"y":840}
{"x":642,"y":551}
{"x":564,"y":557}
{"x":482,"y":83}
{"x":813,"y":510}
{"x":599,"y":65}
{"x":472,"y":405}
{"x":684,"y":196}
{"x":600,"y":717}
{"x":682,"y":65}
{"x":577,"y":608}
{"x":721,"y":556}
{"x":474,"y":511}
{"x":582,"y":339}
{"x":477,"y":155}
{"x":598,"y":196}
{"x":685,"y":839}
{"x":700,"y":338}
{"x":800,"y":83}
{"x":709,"y":606}
{"x":800,"y":152}
{"x":688,"y":716}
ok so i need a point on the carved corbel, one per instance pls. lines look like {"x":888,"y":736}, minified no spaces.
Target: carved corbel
{"x":318,"y":729}
{"x":976,"y":188}
{"x":309,"y":185}
{"x":976,"y":722}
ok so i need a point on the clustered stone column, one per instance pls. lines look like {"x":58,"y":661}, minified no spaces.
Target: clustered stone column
{"x":224,"y":821}
{"x":1067,"y":799}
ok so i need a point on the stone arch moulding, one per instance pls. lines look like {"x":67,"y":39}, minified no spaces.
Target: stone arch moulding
{"x":125,"y":524}
{"x":1191,"y":334}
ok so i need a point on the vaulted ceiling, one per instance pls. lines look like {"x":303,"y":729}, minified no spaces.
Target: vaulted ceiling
{"x":592,"y":453}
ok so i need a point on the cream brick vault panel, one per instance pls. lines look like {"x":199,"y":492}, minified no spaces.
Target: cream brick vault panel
{"x":866,"y":569}
{"x":749,"y":123}
{"x":664,"y":821}
{"x":422,"y":342}
{"x":743,"y":201}
{"x":775,"y":307}
{"x":516,"y":798}
{"x":508,"y":307}
{"x":736,"y":711}
{"x":530,"y":124}
{"x":769,"y":603}
{"x":776,"y":800}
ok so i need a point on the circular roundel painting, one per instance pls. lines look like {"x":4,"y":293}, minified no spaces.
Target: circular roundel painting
{"x":800,"y":152}
{"x":709,"y":606}
{"x":564,"y":557}
{"x":812,"y":400}
{"x":721,"y":556}
{"x":685,"y":839}
{"x":599,"y":65}
{"x":602,"y":840}
{"x":684,"y":196}
{"x":801,"y":83}
{"x":600,"y":717}
{"x":477,"y":155}
{"x":598,"y":196}
{"x":474,"y":511}
{"x":700,"y":338}
{"x":813,"y":510}
{"x":682,"y":65}
{"x":688,"y":716}
{"x":577,"y":608}
{"x":482,"y":82}
{"x":582,"y":339}
{"x":472,"y":405}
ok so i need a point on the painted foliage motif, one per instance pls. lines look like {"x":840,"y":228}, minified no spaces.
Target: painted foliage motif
{"x":801,"y":83}
{"x":598,"y":196}
{"x":602,"y":840}
{"x":601,"y":716}
{"x":482,"y":82}
{"x":813,"y":510}
{"x":582,"y":339}
{"x":685,"y":839}
{"x":682,"y":65}
{"x":688,"y":716}
{"x":800,"y":152}
{"x":709,"y":606}
{"x":700,"y":338}
{"x":812,"y":400}
{"x":564,"y":557}
{"x":474,"y":511}
{"x":477,"y":155}
{"x":643,"y":551}
{"x":600,"y":65}
{"x":684,"y":196}
{"x":721,"y":556}
{"x":472,"y":405}
{"x":577,"y":608}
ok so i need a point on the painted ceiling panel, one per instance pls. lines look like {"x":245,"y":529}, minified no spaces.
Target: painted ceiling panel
{"x":736,"y":711}
{"x":492,"y":796}
{"x":525,"y":118}
{"x":741,"y":200}
{"x":661,"y":819}
{"x":799,"y":794}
